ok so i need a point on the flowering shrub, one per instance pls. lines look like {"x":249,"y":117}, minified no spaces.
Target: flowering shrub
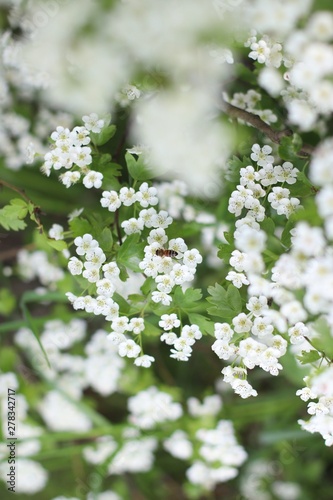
{"x":166,"y":249}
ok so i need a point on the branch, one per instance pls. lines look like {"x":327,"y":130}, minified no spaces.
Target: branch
{"x":258,"y":123}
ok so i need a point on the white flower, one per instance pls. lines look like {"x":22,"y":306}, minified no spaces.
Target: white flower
{"x":297,"y":333}
{"x":93,"y":179}
{"x":261,"y":156}
{"x":75,"y":266}
{"x":241,"y":323}
{"x":157,"y":236}
{"x":178,"y":244}
{"x":93,"y":123}
{"x":223,"y":349}
{"x":262,"y":327}
{"x":129,"y":349}
{"x":259,"y":51}
{"x":250,"y":240}
{"x":94,"y":258}
{"x":136,"y":325}
{"x":223,"y":331}
{"x":169,"y":338}
{"x":178,"y":445}
{"x":56,"y":232}
{"x":237,"y":279}
{"x":169,"y":321}
{"x":181,"y":355}
{"x":256,"y":305}
{"x":69,"y":178}
{"x":85,"y":244}
{"x":165,"y":283}
{"x":191,"y":332}
{"x":306,"y":393}
{"x":145,"y":361}
{"x":82,"y":158}
{"x":105,"y":287}
{"x":127,"y":196}
{"x":132,"y":226}
{"x":111,"y":271}
{"x":120,"y":325}
{"x":147,"y":195}
{"x":192,"y":258}
{"x":161,"y":219}
{"x":146,"y":215}
{"x":110,"y":200}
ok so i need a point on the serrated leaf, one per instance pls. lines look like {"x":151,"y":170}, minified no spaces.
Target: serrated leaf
{"x":229,"y":237}
{"x":234,"y":299}
{"x":58,"y":245}
{"x":130,"y":252}
{"x":186,"y":300}
{"x":138,"y":170}
{"x":227,"y":303}
{"x":11,"y":215}
{"x":308,"y":357}
{"x":289,"y":147}
{"x":225,"y":251}
{"x":203,"y":323}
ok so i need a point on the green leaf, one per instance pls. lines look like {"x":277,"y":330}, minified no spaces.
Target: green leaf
{"x":7,"y":302}
{"x":151,"y":330}
{"x":187,"y":300}
{"x":268,"y":225}
{"x":11,"y":215}
{"x":225,"y":251}
{"x":58,"y":245}
{"x":226,"y":303}
{"x":229,"y":237}
{"x":106,"y":240}
{"x":130,"y":253}
{"x":205,"y":325}
{"x":80,"y":226}
{"x":308,"y":357}
{"x":234,"y":298}
{"x":138,"y":170}
{"x":104,"y":135}
{"x":124,"y":306}
{"x":289,"y":147}
{"x":148,"y":285}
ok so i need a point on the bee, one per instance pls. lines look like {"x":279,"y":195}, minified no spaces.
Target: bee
{"x":161,"y":252}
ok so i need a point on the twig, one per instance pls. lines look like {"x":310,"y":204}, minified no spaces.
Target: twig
{"x":258,"y":123}
{"x":116,"y":221}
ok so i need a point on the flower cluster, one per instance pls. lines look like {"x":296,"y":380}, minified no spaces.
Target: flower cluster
{"x":71,"y":151}
{"x":252,"y":184}
{"x":164,"y":267}
{"x":219,"y":456}
{"x":183,"y":344}
{"x":152,"y":407}
{"x":255,"y":345}
{"x":249,"y":101}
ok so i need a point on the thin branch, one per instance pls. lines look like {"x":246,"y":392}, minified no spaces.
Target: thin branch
{"x":116,"y":221}
{"x":258,"y":123}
